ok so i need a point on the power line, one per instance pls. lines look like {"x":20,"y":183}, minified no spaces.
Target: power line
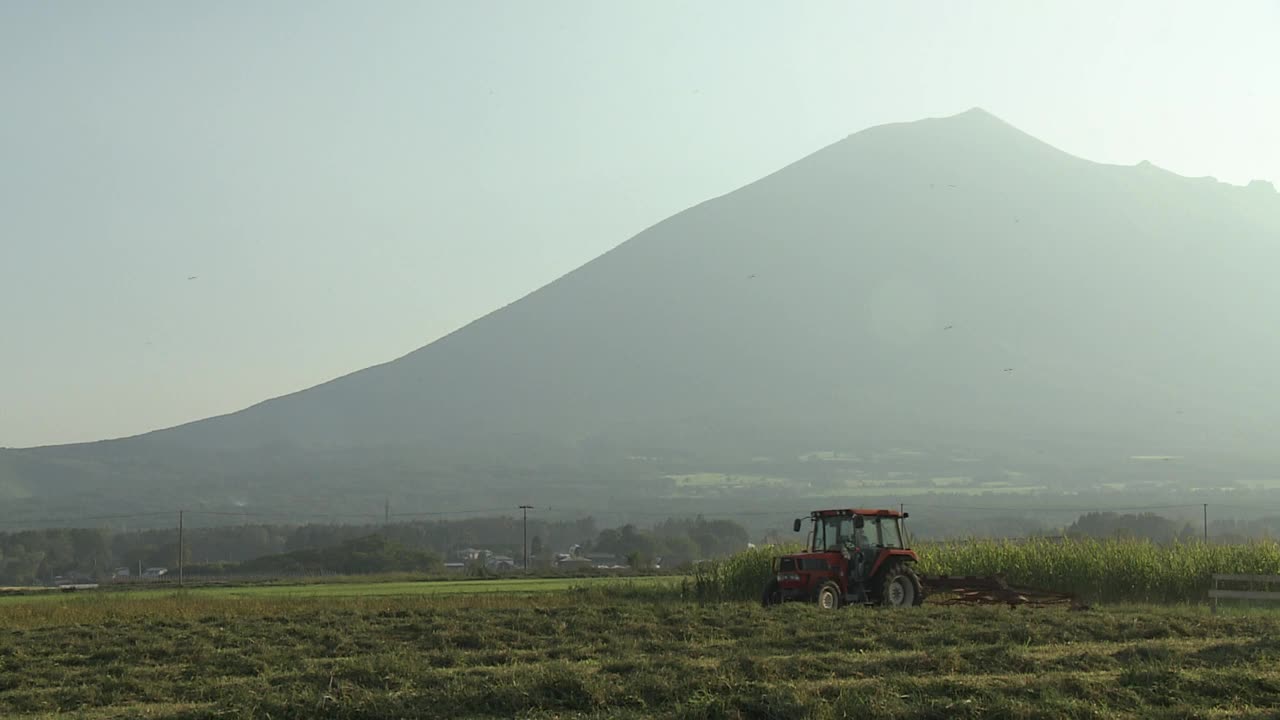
{"x":806,"y":511}
{"x":283,"y":514}
{"x":679,"y":514}
{"x":524,"y":509}
{"x":1094,"y":508}
{"x":435,"y":513}
{"x":181,"y":547}
{"x":583,"y":513}
{"x":88,"y":518}
{"x":277,"y":515}
{"x":1270,"y":508}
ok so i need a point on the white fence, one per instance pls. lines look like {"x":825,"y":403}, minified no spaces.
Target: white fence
{"x":1260,"y":587}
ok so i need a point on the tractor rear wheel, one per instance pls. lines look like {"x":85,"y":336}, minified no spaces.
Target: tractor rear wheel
{"x":828,"y":596}
{"x":899,"y":586}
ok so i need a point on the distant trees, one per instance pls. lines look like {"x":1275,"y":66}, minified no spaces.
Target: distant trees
{"x":676,"y":542}
{"x":36,"y":556}
{"x":19,"y":566}
{"x":639,"y":560}
{"x":1146,"y":526}
{"x":1236,"y":530}
{"x":370,"y":554}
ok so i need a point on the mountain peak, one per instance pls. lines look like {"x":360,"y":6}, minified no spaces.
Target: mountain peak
{"x":810,"y":309}
{"x":974,"y":123}
{"x":973,"y":138}
{"x":976,"y":117}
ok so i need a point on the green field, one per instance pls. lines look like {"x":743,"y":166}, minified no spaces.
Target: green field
{"x":342,"y":589}
{"x":599,"y":654}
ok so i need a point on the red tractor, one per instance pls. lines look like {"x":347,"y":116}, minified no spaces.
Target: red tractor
{"x":853,"y":556}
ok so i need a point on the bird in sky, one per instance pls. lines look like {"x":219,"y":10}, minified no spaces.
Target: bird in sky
{"x":192,"y":277}
{"x":948,"y":327}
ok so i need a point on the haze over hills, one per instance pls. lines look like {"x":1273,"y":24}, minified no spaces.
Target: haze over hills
{"x":953,"y":287}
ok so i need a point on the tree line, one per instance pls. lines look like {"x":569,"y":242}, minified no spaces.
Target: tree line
{"x":38,"y":556}
{"x":1163,"y":530}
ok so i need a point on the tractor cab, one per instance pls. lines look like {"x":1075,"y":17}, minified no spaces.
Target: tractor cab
{"x":852,"y":556}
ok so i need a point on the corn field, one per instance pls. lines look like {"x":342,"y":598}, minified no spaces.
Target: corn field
{"x":1104,"y":570}
{"x":739,"y":577}
{"x":1118,"y":570}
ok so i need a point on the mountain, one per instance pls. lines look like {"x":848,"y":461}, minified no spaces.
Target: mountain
{"x":947,"y":286}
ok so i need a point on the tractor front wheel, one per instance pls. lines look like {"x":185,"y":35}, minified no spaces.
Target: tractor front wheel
{"x":828,"y":597}
{"x":900,"y":586}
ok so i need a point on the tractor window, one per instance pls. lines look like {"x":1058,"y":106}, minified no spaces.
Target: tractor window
{"x":831,"y":534}
{"x":864,"y":537}
{"x":890,"y":534}
{"x":846,"y":530}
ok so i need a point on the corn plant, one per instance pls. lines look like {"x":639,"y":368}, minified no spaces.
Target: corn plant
{"x":1103,"y":570}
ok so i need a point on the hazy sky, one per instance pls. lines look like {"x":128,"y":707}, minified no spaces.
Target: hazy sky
{"x":349,"y":181}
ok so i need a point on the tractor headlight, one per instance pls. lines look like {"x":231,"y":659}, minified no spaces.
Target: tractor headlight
{"x":788,"y":577}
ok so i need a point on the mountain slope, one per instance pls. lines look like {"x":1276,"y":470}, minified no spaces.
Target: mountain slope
{"x":947,"y":281}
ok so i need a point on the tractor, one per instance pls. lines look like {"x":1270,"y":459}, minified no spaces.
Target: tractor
{"x":853,"y":556}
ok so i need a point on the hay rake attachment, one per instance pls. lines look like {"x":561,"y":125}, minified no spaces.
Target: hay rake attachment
{"x":992,"y":590}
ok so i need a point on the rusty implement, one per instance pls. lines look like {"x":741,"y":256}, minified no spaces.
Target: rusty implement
{"x":992,"y":590}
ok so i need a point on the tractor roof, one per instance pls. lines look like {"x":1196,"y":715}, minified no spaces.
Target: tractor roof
{"x":859,"y":511}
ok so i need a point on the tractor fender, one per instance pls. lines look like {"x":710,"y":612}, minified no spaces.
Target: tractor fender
{"x":892,"y":556}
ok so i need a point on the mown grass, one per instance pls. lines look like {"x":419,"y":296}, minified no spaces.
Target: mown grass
{"x":591,"y":653}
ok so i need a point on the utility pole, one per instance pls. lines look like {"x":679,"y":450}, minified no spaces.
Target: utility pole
{"x":386,"y":513}
{"x":1206,"y":522}
{"x":525,"y":509}
{"x":181,"y":547}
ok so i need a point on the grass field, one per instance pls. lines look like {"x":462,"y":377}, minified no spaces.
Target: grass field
{"x":344,"y":589}
{"x":594,"y":653}
{"x":642,"y":647}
